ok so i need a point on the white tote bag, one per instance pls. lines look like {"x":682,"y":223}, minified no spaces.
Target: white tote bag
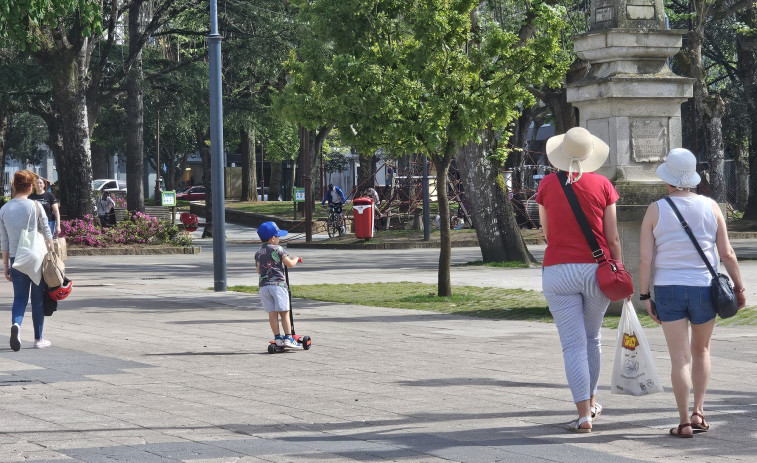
{"x":31,"y":250}
{"x":634,"y":372}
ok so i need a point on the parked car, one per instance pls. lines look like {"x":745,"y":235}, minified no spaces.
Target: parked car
{"x":109,"y":184}
{"x":195,"y":193}
{"x":265,"y":197}
{"x":182,"y":189}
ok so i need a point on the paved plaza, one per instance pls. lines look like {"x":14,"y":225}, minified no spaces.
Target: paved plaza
{"x":148,"y":364}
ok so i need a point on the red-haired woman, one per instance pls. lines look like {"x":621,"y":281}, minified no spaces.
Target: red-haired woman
{"x":14,"y":217}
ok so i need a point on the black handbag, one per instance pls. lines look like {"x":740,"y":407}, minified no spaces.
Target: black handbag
{"x":723,"y":297}
{"x":50,"y":305}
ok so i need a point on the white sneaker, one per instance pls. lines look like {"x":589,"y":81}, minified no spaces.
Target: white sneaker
{"x":15,"y":338}
{"x":42,"y":343}
{"x":290,"y":342}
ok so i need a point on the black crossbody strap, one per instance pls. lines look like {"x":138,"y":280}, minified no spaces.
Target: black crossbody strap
{"x":596,"y":251}
{"x":688,"y":231}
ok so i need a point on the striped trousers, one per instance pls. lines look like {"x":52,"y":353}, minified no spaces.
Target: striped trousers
{"x":578,"y":307}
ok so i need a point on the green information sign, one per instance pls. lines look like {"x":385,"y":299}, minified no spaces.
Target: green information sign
{"x":299,"y":195}
{"x":168,"y":198}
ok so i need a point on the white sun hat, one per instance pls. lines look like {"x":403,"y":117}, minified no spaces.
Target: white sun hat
{"x":577,"y":151}
{"x":679,"y":169}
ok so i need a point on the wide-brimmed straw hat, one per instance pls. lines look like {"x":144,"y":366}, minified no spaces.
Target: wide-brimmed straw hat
{"x":577,"y":151}
{"x":679,"y":169}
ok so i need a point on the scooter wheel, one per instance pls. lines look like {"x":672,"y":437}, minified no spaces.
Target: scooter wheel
{"x":305,"y":342}
{"x":271,"y":349}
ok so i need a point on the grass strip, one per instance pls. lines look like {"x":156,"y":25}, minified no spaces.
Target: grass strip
{"x":473,"y":301}
{"x":511,"y":264}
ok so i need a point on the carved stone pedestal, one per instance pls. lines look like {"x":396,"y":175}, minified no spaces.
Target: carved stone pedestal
{"x":632,"y":101}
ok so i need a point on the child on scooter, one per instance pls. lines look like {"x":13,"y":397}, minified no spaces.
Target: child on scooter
{"x":274,"y":293}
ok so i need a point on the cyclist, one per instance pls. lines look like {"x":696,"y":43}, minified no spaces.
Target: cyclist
{"x":336,"y":200}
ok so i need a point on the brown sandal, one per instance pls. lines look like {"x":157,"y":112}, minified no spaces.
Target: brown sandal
{"x":703,"y":426}
{"x":680,"y":427}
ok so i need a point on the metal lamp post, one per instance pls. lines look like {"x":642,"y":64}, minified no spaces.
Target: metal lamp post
{"x":216,"y":152}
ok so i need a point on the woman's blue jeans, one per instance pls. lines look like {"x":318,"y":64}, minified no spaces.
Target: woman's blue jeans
{"x":22,"y":288}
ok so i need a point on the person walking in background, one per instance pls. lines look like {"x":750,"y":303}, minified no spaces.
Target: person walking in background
{"x":682,"y":293}
{"x":49,"y":202}
{"x":105,"y":205}
{"x":389,"y":179}
{"x":378,"y":217}
{"x":16,"y":215}
{"x":569,"y":277}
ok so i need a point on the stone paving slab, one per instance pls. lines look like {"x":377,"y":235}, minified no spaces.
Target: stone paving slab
{"x":149,"y":365}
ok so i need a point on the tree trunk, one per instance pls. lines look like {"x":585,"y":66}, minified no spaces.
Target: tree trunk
{"x":70,"y":132}
{"x":713,"y":110}
{"x":746,"y":49}
{"x":492,"y":213}
{"x":135,"y":157}
{"x":365,"y":173}
{"x":249,"y":165}
{"x":3,"y":132}
{"x":441,"y":163}
{"x":741,"y":158}
{"x":317,"y":137}
{"x":563,"y":112}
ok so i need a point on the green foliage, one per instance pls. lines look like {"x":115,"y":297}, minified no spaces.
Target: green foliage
{"x":25,"y":133}
{"x":335,"y":161}
{"x":22,"y":22}
{"x":414,"y":76}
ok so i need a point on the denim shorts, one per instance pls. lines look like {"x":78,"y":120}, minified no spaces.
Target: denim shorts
{"x":679,"y":302}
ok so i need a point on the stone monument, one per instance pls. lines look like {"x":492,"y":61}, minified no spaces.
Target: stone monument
{"x":632,"y":101}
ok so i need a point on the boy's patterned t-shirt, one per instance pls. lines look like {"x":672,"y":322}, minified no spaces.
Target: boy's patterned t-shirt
{"x":269,"y":259}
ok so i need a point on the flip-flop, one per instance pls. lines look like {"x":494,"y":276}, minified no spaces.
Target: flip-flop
{"x":703,"y":426}
{"x":678,"y":433}
{"x":576,"y":425}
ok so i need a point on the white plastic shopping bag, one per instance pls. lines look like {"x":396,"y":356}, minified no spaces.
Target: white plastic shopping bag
{"x":31,"y":251}
{"x":634,"y":372}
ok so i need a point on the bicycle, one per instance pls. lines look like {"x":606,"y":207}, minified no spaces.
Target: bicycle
{"x":334,"y":224}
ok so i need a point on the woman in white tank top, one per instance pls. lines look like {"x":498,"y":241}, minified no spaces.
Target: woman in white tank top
{"x":682,"y":292}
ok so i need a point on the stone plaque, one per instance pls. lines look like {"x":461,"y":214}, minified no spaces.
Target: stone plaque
{"x":603,"y":14}
{"x":637,"y":12}
{"x":649,"y":139}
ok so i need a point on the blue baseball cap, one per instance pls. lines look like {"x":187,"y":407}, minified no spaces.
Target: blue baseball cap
{"x":268,"y":230}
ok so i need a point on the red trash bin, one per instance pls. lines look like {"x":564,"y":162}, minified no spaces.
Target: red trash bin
{"x":362,"y":213}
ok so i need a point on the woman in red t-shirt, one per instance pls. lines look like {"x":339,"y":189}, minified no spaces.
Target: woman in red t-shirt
{"x":569,"y":277}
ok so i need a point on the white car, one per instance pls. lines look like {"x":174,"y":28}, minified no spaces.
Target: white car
{"x":108,"y":184}
{"x":265,"y":197}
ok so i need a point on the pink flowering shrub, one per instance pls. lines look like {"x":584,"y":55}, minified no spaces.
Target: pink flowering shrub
{"x":138,"y":229}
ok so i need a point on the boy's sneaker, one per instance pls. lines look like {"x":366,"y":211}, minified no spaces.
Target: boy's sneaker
{"x":15,"y":338}
{"x":290,"y":342}
{"x":42,"y":343}
{"x":279,"y":339}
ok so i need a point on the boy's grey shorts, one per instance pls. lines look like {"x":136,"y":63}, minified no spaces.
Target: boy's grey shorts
{"x":275,"y":298}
